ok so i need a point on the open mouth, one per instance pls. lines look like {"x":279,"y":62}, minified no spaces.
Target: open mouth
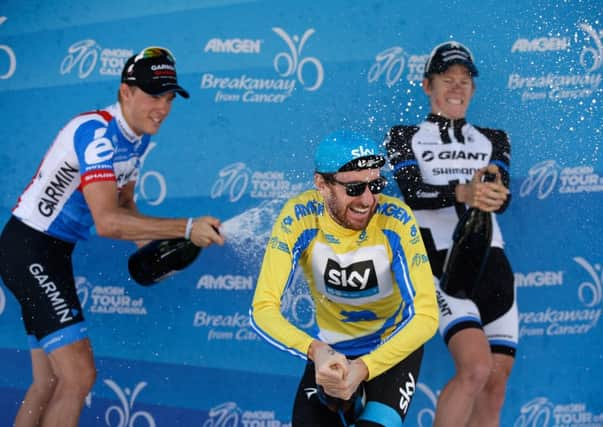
{"x":359,"y":212}
{"x":455,"y":101}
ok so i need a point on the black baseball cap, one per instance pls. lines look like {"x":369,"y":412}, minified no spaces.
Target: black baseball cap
{"x":446,"y":54}
{"x":153,"y":70}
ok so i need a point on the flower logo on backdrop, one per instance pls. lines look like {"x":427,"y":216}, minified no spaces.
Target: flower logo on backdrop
{"x":84,"y":55}
{"x":591,"y":57}
{"x":228,"y":414}
{"x":557,"y":86}
{"x":2,"y":301}
{"x":583,"y":318}
{"x":546,"y":176}
{"x":236,"y":179}
{"x":292,"y":66}
{"x":125,"y":415}
{"x":426,"y":414}
{"x":151,"y":187}
{"x":108,"y":299}
{"x":590,"y":293}
{"x":391,"y":63}
{"x":293,"y":61}
{"x":11,"y":59}
{"x":541,"y":412}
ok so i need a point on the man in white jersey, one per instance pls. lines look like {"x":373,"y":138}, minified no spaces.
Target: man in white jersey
{"x":86,"y":179}
{"x":438,"y":165}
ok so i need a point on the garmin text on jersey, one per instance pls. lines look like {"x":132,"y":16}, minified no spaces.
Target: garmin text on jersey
{"x":56,"y":188}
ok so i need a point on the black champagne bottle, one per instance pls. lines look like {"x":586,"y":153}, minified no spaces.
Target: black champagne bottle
{"x":467,"y":256}
{"x":159,"y":259}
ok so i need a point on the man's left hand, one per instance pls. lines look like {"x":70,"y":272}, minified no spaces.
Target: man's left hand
{"x":344,"y":389}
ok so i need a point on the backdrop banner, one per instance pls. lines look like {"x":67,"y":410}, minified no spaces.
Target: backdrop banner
{"x":268,"y":80}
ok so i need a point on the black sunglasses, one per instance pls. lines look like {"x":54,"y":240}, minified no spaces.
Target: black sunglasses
{"x":357,"y":188}
{"x":155,"y":52}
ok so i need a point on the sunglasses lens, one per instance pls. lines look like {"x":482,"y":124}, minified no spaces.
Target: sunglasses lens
{"x":156,"y":52}
{"x":355,"y":189}
{"x":377,"y":185}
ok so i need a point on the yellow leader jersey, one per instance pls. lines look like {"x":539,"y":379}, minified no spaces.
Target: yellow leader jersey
{"x":373,"y":289}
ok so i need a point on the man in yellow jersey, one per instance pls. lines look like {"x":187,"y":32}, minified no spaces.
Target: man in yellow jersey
{"x":371,"y":284}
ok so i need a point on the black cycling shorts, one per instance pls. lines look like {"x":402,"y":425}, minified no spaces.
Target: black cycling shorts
{"x":37,"y":269}
{"x":492,"y":307}
{"x":495,"y":295}
{"x":386,"y":398}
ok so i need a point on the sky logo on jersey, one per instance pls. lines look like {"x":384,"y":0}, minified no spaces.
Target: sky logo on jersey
{"x":357,"y":280}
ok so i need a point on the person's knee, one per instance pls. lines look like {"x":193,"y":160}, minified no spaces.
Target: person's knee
{"x":474,"y":376}
{"x":495,"y":389}
{"x":84,"y":378}
{"x":44,"y":386}
{"x":79,"y":377}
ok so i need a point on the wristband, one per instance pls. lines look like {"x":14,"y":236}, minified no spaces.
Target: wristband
{"x":189,"y":229}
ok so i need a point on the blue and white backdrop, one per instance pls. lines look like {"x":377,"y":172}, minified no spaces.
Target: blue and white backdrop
{"x":268,"y":79}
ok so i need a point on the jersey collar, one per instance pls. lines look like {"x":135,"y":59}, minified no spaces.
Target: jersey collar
{"x":444,"y":124}
{"x":123,"y":126}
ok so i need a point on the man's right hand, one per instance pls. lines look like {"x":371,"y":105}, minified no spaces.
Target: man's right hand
{"x":486,"y":196}
{"x":330,"y":366}
{"x":204,"y":231}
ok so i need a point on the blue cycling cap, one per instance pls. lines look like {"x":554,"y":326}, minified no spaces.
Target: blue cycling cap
{"x":344,"y":151}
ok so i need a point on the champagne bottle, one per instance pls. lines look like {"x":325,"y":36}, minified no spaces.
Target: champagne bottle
{"x":467,"y":256}
{"x":161,"y":258}
{"x":355,"y":403}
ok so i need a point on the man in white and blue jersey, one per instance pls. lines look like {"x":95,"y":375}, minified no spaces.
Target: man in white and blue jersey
{"x":86,"y":178}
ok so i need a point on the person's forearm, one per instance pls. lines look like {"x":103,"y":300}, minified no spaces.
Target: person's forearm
{"x":124,"y":224}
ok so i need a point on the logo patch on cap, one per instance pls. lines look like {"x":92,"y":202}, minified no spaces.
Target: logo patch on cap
{"x":446,"y":54}
{"x":154,"y":71}
{"x":347,"y":150}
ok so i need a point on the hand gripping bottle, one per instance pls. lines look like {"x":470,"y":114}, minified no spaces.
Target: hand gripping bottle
{"x":354,"y":405}
{"x":467,"y":256}
{"x":161,"y":258}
